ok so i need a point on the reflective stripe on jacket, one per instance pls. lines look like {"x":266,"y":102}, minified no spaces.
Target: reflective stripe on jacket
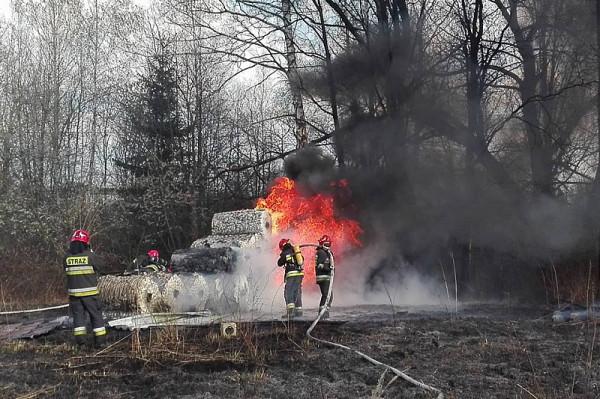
{"x":77,"y":270}
{"x":287,"y":259}
{"x":322,"y":264}
{"x":81,"y":274}
{"x":294,"y":273}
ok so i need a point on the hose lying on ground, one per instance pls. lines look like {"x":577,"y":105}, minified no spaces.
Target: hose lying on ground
{"x":34,"y":310}
{"x":364,"y":356}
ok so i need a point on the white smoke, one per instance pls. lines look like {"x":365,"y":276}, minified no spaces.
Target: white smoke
{"x":265,"y":280}
{"x":353,"y":284}
{"x":399,"y":285}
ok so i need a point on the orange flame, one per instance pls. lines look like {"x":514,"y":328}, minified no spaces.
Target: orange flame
{"x":305,"y":219}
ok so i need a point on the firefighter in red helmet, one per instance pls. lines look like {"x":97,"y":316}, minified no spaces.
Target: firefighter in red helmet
{"x":150,"y":262}
{"x":323,"y":268}
{"x":291,"y":258}
{"x":81,"y":266}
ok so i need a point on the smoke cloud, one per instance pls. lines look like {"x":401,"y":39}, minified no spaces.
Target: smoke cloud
{"x":425,"y":192}
{"x":424,"y":215}
{"x":356,"y":283}
{"x":353,"y":282}
{"x":311,"y":168}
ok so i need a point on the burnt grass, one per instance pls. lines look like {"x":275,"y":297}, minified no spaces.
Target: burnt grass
{"x":488,"y":352}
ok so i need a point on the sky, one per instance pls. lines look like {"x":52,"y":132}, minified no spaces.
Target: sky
{"x":5,"y":5}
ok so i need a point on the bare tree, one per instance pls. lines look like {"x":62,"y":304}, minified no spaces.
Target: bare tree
{"x":546,"y":78}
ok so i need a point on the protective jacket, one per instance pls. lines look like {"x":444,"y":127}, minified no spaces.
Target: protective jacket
{"x":288,"y":259}
{"x":322,"y":265}
{"x":145,"y":264}
{"x":158,"y":265}
{"x":81,"y":271}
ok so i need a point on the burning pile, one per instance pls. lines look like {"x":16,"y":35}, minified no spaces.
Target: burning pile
{"x":205,"y":277}
{"x":305,"y":219}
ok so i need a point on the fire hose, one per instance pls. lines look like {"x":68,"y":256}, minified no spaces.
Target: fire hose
{"x":34,"y":310}
{"x":394,"y":370}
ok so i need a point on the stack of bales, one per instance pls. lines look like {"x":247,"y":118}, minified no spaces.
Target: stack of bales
{"x":177,"y":292}
{"x":232,"y":232}
{"x":204,"y":276}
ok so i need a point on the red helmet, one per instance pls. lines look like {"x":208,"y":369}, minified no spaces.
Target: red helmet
{"x":325,"y":241}
{"x":282,"y":242}
{"x":81,"y":236}
{"x":153,"y":253}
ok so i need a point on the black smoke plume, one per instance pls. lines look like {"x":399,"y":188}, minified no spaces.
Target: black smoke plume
{"x":415,"y":190}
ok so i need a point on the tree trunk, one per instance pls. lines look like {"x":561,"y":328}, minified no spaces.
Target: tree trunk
{"x":339,"y":147}
{"x":595,"y":197}
{"x":293,"y":76}
{"x":475,"y":79}
{"x":540,"y":146}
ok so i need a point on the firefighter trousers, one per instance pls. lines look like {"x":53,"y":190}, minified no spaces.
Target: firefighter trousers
{"x":292,"y":292}
{"x":324,"y":286}
{"x":80,"y":308}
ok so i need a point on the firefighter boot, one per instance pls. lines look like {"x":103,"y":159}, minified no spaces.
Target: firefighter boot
{"x":80,"y":340}
{"x":298,"y":312}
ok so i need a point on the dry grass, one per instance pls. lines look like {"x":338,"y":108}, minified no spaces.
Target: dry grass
{"x":573,"y":283}
{"x":16,"y":346}
{"x":40,"y":393}
{"x":578,"y":284}
{"x":29,"y":346}
{"x":27,"y":285}
{"x":379,"y":388}
{"x":183,"y":346}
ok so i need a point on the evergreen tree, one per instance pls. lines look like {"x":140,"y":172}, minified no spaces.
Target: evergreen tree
{"x":152,"y":160}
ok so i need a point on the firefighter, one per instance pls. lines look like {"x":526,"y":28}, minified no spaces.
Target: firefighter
{"x":81,"y":266}
{"x":323,"y":268}
{"x":291,"y":258}
{"x":151,"y":262}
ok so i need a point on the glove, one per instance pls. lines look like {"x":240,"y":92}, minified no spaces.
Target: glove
{"x":320,"y":266}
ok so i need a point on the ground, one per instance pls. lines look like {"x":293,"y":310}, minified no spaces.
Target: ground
{"x":482,"y":352}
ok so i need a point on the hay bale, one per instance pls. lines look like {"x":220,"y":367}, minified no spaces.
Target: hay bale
{"x":142,"y":293}
{"x":173,"y":289}
{"x":205,"y":260}
{"x":201,"y":291}
{"x":245,"y":221}
{"x":119,"y":292}
{"x":228,"y":293}
{"x":237,"y":292}
{"x":149,"y":293}
{"x":229,"y":240}
{"x":187,"y":292}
